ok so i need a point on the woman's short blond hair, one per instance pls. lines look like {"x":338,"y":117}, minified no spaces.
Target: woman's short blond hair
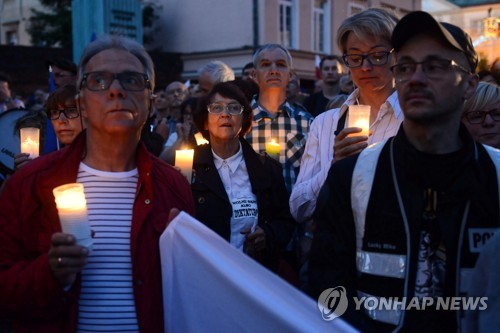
{"x":370,"y":24}
{"x":485,"y":94}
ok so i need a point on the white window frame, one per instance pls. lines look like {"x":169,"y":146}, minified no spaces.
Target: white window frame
{"x":325,"y":28}
{"x":292,"y":41}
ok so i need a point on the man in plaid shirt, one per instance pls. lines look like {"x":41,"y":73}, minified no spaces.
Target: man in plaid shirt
{"x":273,"y":117}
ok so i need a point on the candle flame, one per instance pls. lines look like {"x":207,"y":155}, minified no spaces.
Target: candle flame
{"x":71,"y":198}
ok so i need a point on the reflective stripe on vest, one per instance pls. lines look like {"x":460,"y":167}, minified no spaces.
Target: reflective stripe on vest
{"x":376,"y":312}
{"x":383,"y":264}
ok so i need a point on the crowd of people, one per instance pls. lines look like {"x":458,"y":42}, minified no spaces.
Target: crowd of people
{"x":402,"y":211}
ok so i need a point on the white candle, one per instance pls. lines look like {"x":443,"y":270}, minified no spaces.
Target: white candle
{"x":184,"y":161}
{"x":200,"y":140}
{"x":273,"y":148}
{"x":359,"y":116}
{"x":30,"y":141}
{"x":72,"y":209}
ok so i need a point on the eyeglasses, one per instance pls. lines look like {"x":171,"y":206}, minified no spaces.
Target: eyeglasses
{"x":432,"y":68}
{"x":374,"y":58}
{"x":178,"y":91}
{"x":129,"y":81}
{"x":233,"y":109}
{"x":69,"y":113}
{"x":477,"y":117}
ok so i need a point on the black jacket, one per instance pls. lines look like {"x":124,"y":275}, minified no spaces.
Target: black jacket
{"x":214,"y":209}
{"x":457,"y":178}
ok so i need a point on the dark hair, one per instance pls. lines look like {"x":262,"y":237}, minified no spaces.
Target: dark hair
{"x":192,"y":102}
{"x":248,"y":87}
{"x":227,"y":90}
{"x":63,"y":64}
{"x":247,"y":66}
{"x":60,"y":96}
{"x":332,"y":57}
{"x":4,"y":77}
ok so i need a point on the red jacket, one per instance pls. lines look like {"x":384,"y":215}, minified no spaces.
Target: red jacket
{"x":29,"y":294}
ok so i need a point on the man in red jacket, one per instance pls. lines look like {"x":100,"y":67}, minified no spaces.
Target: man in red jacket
{"x":49,"y":283}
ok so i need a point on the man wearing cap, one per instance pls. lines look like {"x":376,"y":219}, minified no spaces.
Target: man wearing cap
{"x":405,"y":220}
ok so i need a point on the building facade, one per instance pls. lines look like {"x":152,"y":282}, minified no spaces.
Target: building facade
{"x":14,"y":18}
{"x":479,"y":18}
{"x":230,"y":31}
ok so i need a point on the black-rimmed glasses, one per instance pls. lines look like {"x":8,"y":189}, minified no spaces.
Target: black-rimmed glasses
{"x":69,"y":113}
{"x":231,"y":108}
{"x":130,"y":81}
{"x":432,"y":68}
{"x":378,"y":58}
{"x":477,"y":117}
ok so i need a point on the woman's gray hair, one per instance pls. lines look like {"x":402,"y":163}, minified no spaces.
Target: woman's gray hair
{"x":106,"y":42}
{"x":485,"y":94}
{"x":370,"y":24}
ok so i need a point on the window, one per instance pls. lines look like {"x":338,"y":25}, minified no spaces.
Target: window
{"x":285,"y":23}
{"x":11,"y":37}
{"x":320,"y":30}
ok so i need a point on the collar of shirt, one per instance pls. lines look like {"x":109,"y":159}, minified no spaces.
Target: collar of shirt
{"x":232,"y":161}
{"x":259,"y":112}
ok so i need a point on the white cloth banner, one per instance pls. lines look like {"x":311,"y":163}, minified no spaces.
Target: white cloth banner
{"x":209,"y":286}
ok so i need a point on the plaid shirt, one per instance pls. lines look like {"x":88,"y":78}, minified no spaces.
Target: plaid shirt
{"x":289,"y":129}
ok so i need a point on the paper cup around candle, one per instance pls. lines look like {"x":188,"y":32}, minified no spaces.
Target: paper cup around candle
{"x":359,"y":116}
{"x":184,"y":161}
{"x":273,"y":148}
{"x":72,"y":209}
{"x":30,"y":141}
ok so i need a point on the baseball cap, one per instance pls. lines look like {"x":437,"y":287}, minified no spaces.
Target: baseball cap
{"x":419,"y":22}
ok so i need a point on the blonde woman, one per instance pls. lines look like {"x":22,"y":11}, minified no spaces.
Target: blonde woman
{"x":482,"y":114}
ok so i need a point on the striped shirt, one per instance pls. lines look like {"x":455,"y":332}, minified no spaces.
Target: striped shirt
{"x":289,"y":128}
{"x":106,"y":301}
{"x":318,"y":155}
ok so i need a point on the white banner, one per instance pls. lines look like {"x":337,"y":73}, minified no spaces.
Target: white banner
{"x":209,"y":286}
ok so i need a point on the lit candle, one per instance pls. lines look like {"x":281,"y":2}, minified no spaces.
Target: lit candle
{"x":72,"y":209}
{"x":200,"y":140}
{"x":184,"y":161}
{"x":273,"y":148}
{"x":30,"y":141}
{"x":359,"y":116}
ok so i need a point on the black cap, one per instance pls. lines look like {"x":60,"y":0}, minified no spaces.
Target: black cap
{"x":419,"y":22}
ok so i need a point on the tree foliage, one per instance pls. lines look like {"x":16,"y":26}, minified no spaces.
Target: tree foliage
{"x":52,"y":25}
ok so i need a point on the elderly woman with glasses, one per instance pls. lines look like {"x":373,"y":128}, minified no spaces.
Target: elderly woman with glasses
{"x":365,"y":41}
{"x":482,"y":114}
{"x":238,"y":193}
